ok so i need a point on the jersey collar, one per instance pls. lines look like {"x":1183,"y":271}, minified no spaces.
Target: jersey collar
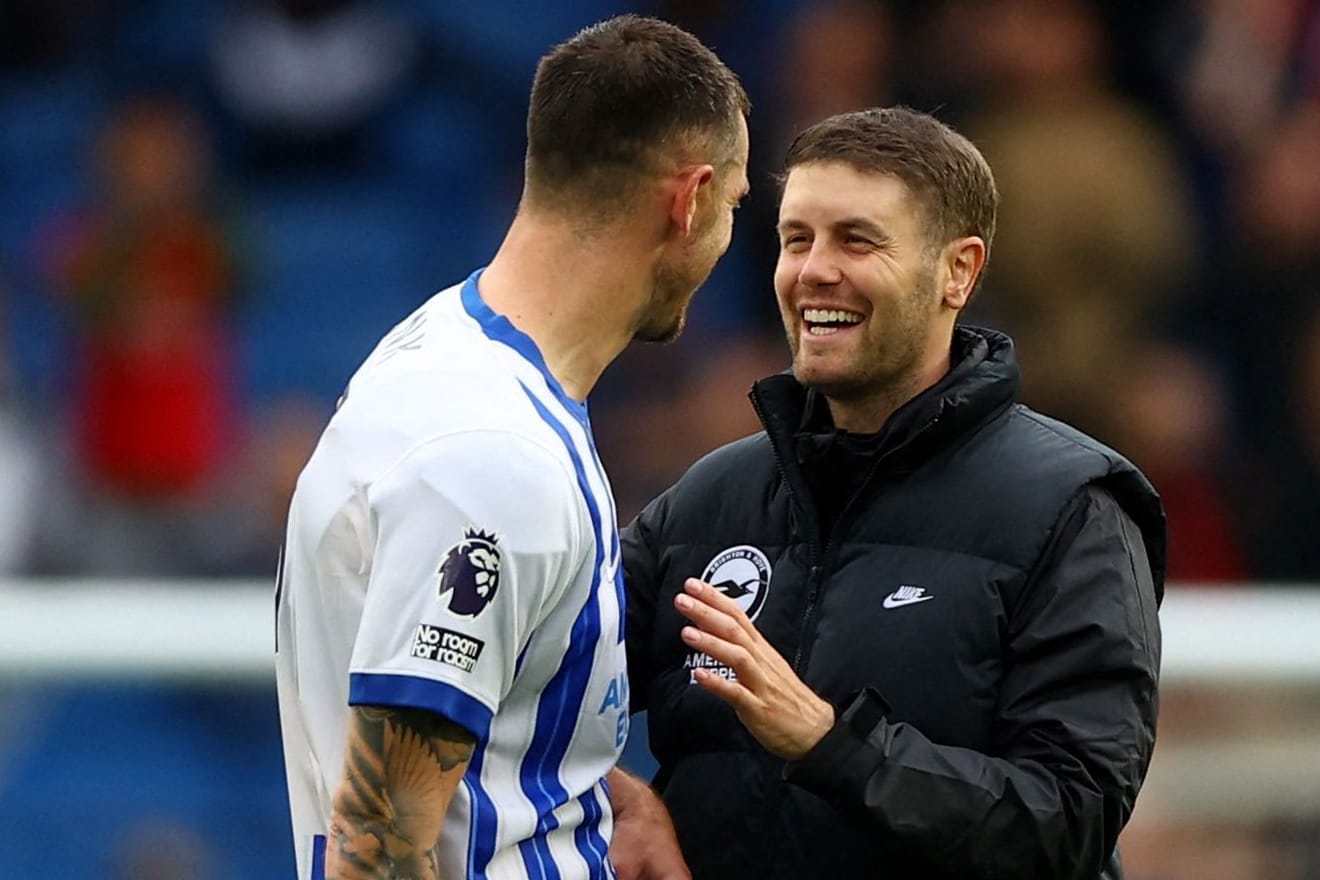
{"x":501,"y":329}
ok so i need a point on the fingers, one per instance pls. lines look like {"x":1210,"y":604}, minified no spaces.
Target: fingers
{"x":711,"y":621}
{"x":721,"y":634}
{"x":728,"y":690}
{"x":771,"y":700}
{"x":717,"y":632}
{"x":714,"y":612}
{"x":729,"y":653}
{"x":704,"y":592}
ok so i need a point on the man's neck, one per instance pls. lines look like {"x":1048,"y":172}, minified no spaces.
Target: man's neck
{"x":575,"y":296}
{"x":867,"y":413}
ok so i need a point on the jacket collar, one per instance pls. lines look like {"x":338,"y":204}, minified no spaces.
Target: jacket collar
{"x":983,"y":381}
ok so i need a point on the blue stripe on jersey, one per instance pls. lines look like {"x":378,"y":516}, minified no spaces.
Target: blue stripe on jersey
{"x":615,"y":550}
{"x":318,"y":857}
{"x":499,"y":328}
{"x":619,"y":592}
{"x":588,"y":835}
{"x":522,"y":655}
{"x":413,"y":692}
{"x":483,"y":819}
{"x":561,"y":701}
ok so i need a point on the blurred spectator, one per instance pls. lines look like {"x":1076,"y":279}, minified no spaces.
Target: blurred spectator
{"x":1094,"y":235}
{"x":1266,"y":277}
{"x":282,"y":436}
{"x":1231,"y":71}
{"x":839,"y":58}
{"x":1285,"y":544}
{"x":303,"y":79}
{"x":1263,"y":294}
{"x":1170,"y":417}
{"x":149,"y":275}
{"x":1250,"y":57}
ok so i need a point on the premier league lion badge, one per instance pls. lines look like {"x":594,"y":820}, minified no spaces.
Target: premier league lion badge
{"x":470,"y":573}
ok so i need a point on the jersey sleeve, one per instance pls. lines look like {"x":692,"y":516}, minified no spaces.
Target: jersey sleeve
{"x":476,"y":536}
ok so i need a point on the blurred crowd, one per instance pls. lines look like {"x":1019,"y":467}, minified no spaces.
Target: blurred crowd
{"x":210,"y":209}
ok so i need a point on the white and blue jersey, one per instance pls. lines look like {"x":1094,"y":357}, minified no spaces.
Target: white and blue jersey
{"x":452,"y":546}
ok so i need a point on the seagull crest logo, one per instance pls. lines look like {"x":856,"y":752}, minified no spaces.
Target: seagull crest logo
{"x":743,"y":574}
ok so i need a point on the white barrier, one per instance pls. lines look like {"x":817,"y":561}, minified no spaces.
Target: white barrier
{"x":225,"y":630}
{"x":98,"y":629}
{"x":1234,"y":642}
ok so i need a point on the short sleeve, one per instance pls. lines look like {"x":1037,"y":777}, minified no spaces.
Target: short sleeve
{"x":476,"y":536}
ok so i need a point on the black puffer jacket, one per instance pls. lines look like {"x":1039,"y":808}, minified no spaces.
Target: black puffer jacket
{"x":982,"y":614}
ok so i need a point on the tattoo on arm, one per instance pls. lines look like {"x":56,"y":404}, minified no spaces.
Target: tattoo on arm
{"x":401,"y":769}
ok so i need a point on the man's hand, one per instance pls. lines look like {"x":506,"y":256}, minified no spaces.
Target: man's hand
{"x":644,"y":845}
{"x":784,"y":715}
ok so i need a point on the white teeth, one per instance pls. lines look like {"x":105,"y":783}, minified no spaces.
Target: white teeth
{"x":830,"y":316}
{"x":818,"y":330}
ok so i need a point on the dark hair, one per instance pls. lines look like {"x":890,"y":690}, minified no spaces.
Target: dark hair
{"x":607,"y":102}
{"x":944,"y":171}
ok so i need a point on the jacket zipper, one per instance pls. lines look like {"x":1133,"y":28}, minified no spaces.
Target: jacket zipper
{"x":817,"y":551}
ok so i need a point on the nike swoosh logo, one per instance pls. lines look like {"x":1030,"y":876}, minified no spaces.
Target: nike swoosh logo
{"x":891,"y":602}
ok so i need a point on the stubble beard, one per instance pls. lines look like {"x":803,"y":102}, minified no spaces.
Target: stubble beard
{"x":879,"y":368}
{"x":661,"y":331}
{"x":666,"y":313}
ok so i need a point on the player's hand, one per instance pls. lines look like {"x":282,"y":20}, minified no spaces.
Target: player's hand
{"x":644,"y":846}
{"x":775,"y":706}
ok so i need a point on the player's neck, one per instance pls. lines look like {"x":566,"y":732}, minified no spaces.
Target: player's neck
{"x":575,"y":297}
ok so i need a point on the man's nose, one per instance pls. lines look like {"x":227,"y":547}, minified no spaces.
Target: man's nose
{"x":821,"y":267}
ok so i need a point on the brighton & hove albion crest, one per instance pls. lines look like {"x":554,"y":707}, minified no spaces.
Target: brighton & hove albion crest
{"x":470,"y":573}
{"x":743,"y":574}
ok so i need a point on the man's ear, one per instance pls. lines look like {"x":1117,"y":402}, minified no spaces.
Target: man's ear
{"x":964,"y":257}
{"x":683,"y":206}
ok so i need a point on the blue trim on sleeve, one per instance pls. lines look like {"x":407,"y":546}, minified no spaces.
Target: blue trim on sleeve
{"x":318,"y":857}
{"x":501,"y":329}
{"x":414,"y":692}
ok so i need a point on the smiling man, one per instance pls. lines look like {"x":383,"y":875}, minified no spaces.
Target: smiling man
{"x":857,"y":280}
{"x":944,"y":659}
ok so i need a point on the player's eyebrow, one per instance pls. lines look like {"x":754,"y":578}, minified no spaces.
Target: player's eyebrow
{"x":869,"y":228}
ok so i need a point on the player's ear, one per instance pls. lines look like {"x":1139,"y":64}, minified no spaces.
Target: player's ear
{"x":683,"y":206}
{"x":964,"y":258}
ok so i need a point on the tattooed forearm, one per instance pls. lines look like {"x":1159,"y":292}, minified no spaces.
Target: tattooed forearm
{"x":401,"y":768}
